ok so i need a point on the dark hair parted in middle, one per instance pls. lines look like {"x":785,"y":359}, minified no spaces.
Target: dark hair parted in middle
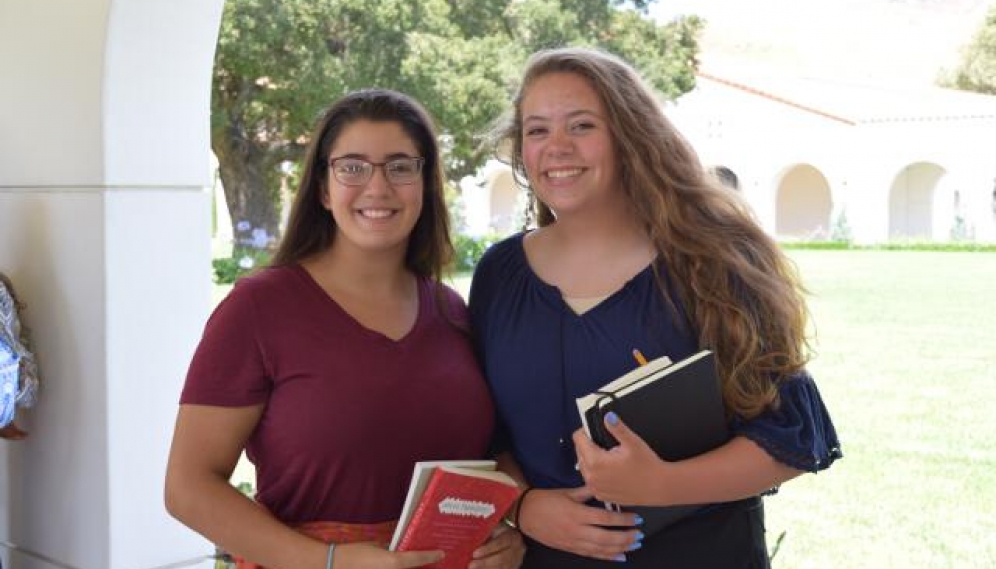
{"x":310,"y":228}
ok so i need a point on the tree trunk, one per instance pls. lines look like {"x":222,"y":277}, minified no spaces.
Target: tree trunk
{"x":250,"y":200}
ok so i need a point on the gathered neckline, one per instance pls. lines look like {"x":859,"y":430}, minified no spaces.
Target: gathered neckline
{"x":555,"y":296}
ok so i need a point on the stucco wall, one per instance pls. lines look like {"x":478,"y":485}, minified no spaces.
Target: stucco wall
{"x":105,"y":231}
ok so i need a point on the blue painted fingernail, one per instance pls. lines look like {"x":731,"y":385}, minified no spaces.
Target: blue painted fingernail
{"x":621,"y":558}
{"x":636,"y":545}
{"x":639,"y":536}
{"x":638,"y":521}
{"x":612,"y":418}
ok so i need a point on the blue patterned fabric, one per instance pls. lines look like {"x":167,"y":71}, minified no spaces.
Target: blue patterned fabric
{"x":10,"y":363}
{"x":18,"y":372}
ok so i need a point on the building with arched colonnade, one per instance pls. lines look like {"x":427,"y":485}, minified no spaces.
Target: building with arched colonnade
{"x":821,"y":159}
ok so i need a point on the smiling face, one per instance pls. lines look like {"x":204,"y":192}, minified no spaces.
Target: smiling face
{"x":567,"y":147}
{"x":377,"y":215}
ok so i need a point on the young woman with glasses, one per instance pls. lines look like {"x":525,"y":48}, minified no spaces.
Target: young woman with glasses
{"x":340,"y":365}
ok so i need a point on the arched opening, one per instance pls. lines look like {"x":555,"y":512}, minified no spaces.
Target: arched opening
{"x":726,"y":176}
{"x":803,"y":204}
{"x":913,"y":203}
{"x":504,"y":202}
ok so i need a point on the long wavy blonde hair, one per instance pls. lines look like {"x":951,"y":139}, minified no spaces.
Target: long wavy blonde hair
{"x":740,"y":291}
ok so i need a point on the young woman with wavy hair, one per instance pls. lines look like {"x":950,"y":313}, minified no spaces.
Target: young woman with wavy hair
{"x":637,"y":247}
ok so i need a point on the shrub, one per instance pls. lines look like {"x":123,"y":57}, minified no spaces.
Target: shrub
{"x":893,"y":246}
{"x":841,"y":230}
{"x":469,"y":250}
{"x":252,"y":248}
{"x":243,"y":261}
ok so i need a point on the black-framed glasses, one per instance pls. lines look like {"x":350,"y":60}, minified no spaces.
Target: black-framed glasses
{"x":353,"y":171}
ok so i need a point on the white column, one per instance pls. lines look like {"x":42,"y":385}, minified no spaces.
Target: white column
{"x":105,"y":231}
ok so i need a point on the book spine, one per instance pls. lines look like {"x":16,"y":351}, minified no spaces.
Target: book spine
{"x":420,"y":510}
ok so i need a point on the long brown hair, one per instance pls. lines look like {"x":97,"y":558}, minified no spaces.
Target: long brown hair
{"x":310,"y":228}
{"x":742,"y":294}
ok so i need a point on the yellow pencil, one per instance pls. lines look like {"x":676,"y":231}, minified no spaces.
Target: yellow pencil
{"x":639,"y":357}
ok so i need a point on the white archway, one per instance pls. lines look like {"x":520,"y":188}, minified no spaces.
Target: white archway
{"x":504,"y":202}
{"x":105,"y":231}
{"x":803,"y":204}
{"x":916,"y":209}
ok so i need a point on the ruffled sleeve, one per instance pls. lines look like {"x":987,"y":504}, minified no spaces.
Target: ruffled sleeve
{"x":800,"y":432}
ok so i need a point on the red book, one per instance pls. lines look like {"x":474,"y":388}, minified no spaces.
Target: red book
{"x":455,"y":512}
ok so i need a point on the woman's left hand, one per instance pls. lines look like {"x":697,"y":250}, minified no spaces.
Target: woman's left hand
{"x":503,"y":551}
{"x":630,"y":473}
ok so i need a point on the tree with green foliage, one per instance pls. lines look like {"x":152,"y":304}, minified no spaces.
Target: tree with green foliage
{"x":977,"y":70}
{"x":280,"y":62}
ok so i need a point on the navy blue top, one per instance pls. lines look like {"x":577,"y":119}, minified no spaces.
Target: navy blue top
{"x":539,"y":355}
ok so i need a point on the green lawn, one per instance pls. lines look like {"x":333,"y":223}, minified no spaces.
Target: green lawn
{"x":906,"y":362}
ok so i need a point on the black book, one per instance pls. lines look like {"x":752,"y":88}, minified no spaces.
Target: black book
{"x":677,"y":408}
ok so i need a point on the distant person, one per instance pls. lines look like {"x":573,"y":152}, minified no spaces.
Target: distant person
{"x":339,"y":366}
{"x":637,"y":248}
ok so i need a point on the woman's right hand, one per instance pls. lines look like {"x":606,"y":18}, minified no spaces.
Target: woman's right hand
{"x":374,"y":556}
{"x":560,"y":519}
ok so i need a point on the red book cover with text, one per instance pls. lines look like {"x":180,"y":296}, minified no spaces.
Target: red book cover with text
{"x":457,"y":512}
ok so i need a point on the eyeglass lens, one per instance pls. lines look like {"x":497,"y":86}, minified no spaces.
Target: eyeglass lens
{"x":356,"y":171}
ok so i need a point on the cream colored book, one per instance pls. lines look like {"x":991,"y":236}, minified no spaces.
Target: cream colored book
{"x":635,"y":376}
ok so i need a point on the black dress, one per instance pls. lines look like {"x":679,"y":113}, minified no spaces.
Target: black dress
{"x":726,"y":536}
